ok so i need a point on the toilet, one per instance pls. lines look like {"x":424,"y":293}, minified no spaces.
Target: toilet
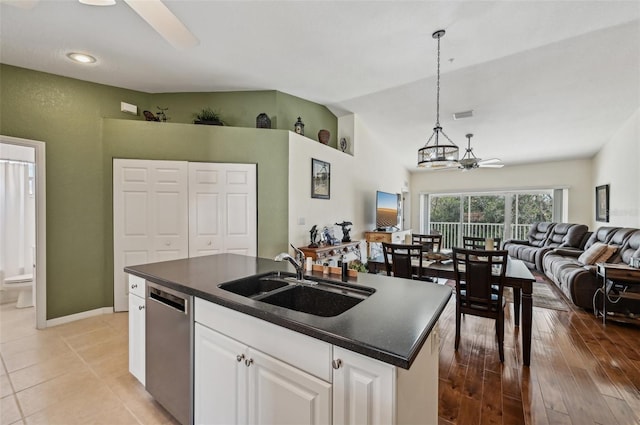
{"x":24,"y":283}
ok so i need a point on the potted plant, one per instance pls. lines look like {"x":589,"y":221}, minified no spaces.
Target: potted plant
{"x":209,"y":117}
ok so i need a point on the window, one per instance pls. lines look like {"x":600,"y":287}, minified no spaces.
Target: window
{"x":506,"y":215}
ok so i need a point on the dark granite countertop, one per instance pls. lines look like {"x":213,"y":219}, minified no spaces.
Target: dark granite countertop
{"x":391,"y":325}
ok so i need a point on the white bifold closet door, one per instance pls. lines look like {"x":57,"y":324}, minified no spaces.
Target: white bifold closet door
{"x":166,"y":210}
{"x":222,"y":209}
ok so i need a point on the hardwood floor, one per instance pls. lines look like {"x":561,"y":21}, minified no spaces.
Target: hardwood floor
{"x":581,"y":371}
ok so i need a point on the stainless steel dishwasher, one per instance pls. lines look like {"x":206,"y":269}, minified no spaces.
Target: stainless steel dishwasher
{"x":169,"y":342}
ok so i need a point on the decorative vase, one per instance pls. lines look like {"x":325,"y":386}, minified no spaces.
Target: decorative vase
{"x":343,"y":144}
{"x":298,"y":127}
{"x":263,"y":121}
{"x":323,"y":136}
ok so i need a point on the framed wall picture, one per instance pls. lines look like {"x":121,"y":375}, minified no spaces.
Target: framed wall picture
{"x":320,"y":179}
{"x":602,"y":203}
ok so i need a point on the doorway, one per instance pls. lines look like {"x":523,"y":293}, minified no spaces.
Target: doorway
{"x":28,"y":245}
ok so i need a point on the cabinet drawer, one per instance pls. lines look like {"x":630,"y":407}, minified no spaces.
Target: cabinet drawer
{"x":372,"y":237}
{"x":308,"y":354}
{"x":137,"y":286}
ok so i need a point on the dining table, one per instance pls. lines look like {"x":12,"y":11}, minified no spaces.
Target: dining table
{"x":517,"y":276}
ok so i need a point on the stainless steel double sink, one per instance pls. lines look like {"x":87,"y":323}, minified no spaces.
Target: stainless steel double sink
{"x":314,"y":296}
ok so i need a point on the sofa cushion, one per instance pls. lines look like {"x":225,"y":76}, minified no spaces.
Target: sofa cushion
{"x":593,"y":253}
{"x":538,"y":233}
{"x":603,"y":234}
{"x":631,"y":248}
{"x":566,"y":235}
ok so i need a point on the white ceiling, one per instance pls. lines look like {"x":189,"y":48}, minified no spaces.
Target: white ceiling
{"x":547,"y":80}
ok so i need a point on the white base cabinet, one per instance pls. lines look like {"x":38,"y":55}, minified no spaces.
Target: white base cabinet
{"x":236,"y":384}
{"x":248,"y":371}
{"x":368,"y":391}
{"x":137,"y":325}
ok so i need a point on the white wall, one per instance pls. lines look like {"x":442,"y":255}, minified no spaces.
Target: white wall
{"x":575,"y":175}
{"x":617,"y":164}
{"x":354,"y":181}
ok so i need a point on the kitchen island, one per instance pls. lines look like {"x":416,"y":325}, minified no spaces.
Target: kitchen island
{"x":377,"y":361}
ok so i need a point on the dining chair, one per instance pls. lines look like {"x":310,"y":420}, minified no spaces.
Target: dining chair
{"x":473,"y":242}
{"x":479,"y":276}
{"x":400,"y":260}
{"x":432,"y":243}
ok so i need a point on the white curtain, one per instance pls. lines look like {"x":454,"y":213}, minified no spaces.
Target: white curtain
{"x":14,"y":186}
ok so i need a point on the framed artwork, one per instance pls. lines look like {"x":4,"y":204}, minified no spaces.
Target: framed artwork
{"x":320,"y":179}
{"x":602,"y":203}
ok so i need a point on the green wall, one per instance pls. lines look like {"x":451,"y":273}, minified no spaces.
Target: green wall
{"x":83,"y":128}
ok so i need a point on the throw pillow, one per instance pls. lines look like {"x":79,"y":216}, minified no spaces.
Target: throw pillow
{"x":608,"y":252}
{"x":592,"y":254}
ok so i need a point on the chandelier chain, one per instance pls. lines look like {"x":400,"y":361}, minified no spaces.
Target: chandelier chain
{"x":438,"y":89}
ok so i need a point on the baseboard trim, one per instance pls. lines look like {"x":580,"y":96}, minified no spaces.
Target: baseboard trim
{"x":79,"y":316}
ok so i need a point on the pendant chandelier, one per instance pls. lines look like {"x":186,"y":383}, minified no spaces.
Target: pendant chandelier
{"x":438,"y":155}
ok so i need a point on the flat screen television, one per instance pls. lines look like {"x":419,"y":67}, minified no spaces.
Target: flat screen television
{"x":387,"y":211}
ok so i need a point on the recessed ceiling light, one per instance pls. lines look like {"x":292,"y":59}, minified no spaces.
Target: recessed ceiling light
{"x":81,"y":58}
{"x":98,"y":2}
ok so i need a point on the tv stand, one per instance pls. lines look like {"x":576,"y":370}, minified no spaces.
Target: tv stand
{"x":379,"y":236}
{"x":387,"y":229}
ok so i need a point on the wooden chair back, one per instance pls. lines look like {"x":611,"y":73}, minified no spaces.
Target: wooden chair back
{"x":432,"y":243}
{"x":473,"y":242}
{"x":400,"y":260}
{"x":479,"y":276}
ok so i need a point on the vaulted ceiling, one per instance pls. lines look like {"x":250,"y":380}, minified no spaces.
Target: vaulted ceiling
{"x":546,"y":80}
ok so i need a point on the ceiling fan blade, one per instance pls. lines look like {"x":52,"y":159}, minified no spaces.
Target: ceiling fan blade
{"x":22,"y":4}
{"x":164,"y":22}
{"x":491,"y":165}
{"x":490,"y":161}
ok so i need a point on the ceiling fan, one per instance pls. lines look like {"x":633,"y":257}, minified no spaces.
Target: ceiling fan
{"x":469,"y":161}
{"x":160,"y":18}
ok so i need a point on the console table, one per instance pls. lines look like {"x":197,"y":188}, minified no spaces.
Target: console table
{"x":328,"y":251}
{"x":387,"y":237}
{"x":616,"y":280}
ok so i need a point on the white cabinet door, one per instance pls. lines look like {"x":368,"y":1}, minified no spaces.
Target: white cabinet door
{"x":150,"y":218}
{"x":222,"y":209}
{"x":282,"y":394}
{"x":137,"y":337}
{"x":235,"y":384}
{"x":219,"y":378}
{"x":363,"y":390}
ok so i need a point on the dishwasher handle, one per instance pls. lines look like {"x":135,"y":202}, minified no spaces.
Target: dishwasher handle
{"x":170,"y":300}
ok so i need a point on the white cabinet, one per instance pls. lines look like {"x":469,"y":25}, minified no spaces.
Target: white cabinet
{"x":367,"y":391}
{"x":247,"y":370}
{"x":362,"y":389}
{"x":220,"y":378}
{"x":137,"y":323}
{"x":237,"y":384}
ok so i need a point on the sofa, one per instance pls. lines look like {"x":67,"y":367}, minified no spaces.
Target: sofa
{"x":574,"y":270}
{"x":542,"y":238}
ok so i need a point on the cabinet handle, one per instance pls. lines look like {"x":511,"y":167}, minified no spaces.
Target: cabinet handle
{"x":248,"y":362}
{"x":240,"y":357}
{"x":209,"y":243}
{"x":337,"y":363}
{"x":140,"y":307}
{"x":134,"y":286}
{"x":167,"y":243}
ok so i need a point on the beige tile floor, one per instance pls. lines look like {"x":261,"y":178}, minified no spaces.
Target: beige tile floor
{"x":76,"y":373}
